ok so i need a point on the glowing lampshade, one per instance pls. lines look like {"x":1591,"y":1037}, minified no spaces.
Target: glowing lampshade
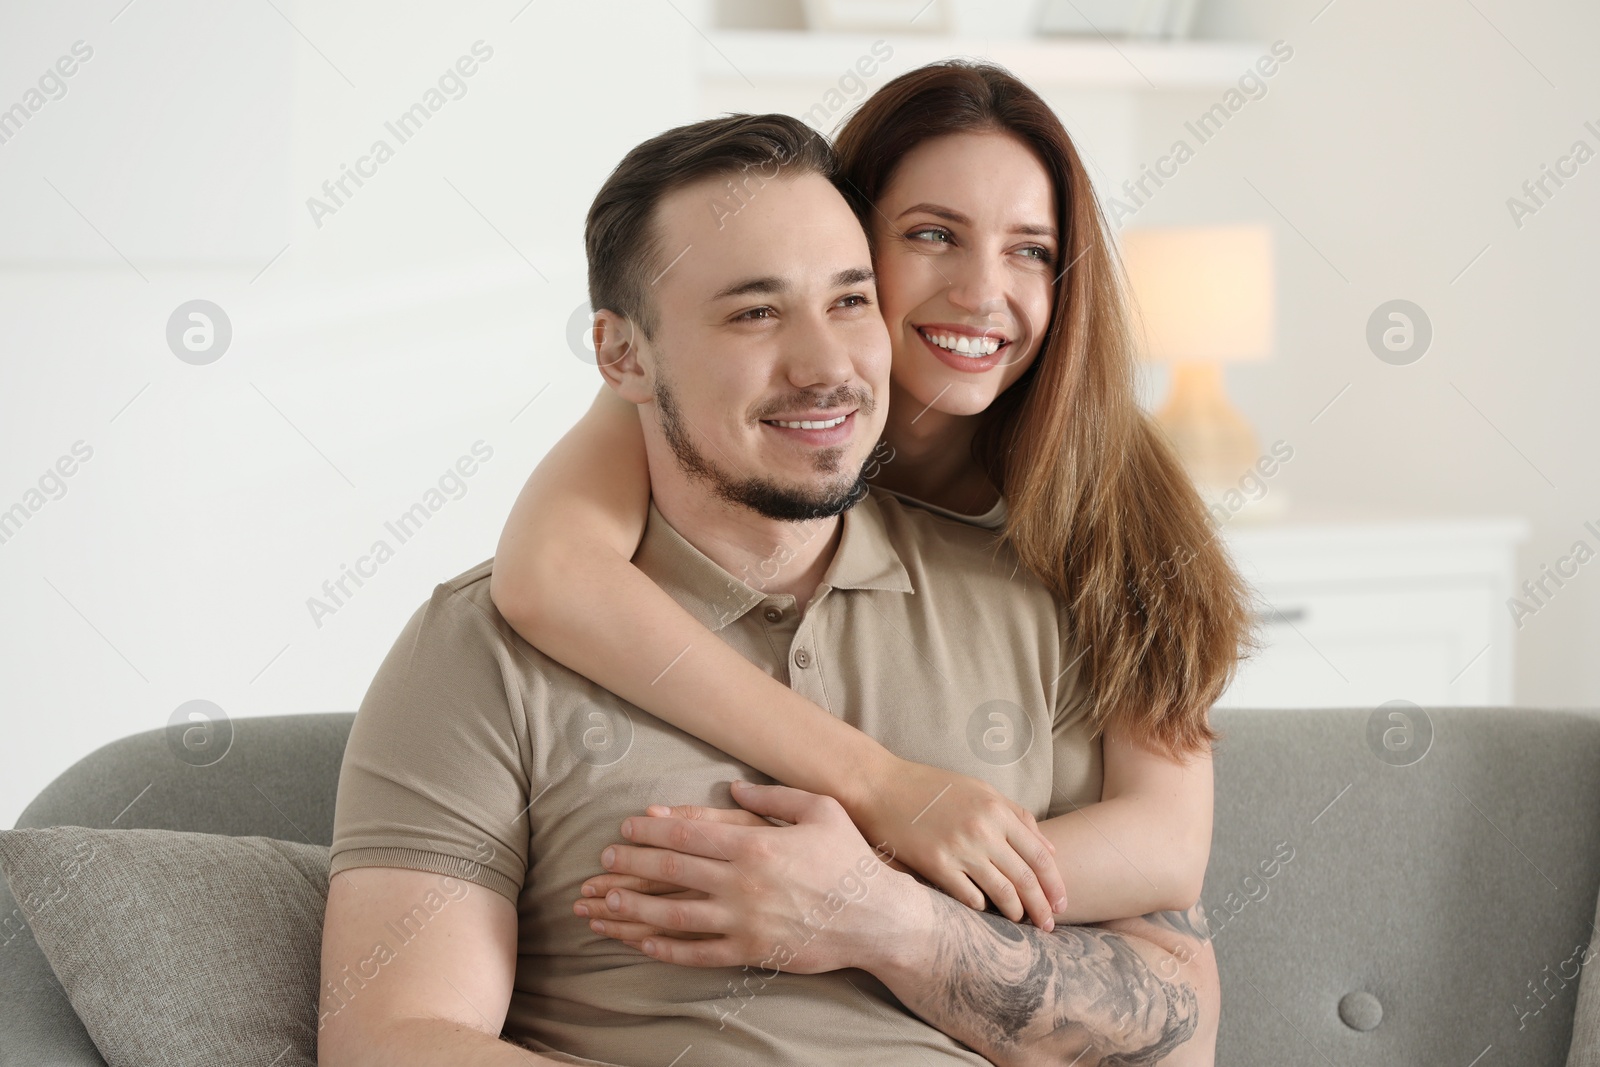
{"x":1203,"y":296}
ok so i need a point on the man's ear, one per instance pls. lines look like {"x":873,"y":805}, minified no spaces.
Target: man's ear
{"x":617,"y":348}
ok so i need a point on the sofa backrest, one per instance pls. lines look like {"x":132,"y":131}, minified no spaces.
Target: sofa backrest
{"x":1450,"y":899}
{"x":1441,"y":898}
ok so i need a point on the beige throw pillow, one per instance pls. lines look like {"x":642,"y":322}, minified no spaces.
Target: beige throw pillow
{"x":178,"y":948}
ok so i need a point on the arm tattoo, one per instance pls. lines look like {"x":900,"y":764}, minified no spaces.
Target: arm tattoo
{"x":1017,"y":994}
{"x":1191,"y":923}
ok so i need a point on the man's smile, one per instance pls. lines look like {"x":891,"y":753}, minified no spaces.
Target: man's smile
{"x":816,"y":429}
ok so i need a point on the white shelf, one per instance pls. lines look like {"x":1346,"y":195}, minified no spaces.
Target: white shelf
{"x":802,"y":55}
{"x":1376,"y":550}
{"x":1359,"y":613}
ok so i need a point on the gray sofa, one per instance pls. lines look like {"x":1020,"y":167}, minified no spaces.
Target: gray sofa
{"x":1364,"y":912}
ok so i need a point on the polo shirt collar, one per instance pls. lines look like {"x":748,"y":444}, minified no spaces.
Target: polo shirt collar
{"x":865,"y":559}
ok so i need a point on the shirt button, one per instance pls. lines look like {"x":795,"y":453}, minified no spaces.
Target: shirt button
{"x":802,"y":658}
{"x":774,"y":614}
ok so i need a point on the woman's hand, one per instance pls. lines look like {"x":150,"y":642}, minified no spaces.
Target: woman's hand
{"x":966,"y":837}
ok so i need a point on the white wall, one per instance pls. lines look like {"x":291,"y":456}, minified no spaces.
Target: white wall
{"x":1392,"y":141}
{"x":371,"y":352}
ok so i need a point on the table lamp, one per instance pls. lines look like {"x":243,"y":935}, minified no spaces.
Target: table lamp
{"x":1202,"y":296}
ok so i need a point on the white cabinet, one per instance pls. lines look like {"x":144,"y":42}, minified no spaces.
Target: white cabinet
{"x":1354,"y":614}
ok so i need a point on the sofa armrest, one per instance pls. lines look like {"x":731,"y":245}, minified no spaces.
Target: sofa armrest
{"x":37,"y":1024}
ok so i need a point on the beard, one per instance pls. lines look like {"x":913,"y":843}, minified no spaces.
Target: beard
{"x":762,"y":495}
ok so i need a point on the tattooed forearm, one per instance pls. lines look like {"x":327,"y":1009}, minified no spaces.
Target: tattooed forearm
{"x":1018,"y":995}
{"x":1191,"y":923}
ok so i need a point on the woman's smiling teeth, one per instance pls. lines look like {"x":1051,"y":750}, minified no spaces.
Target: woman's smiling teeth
{"x":809,"y":424}
{"x":962,"y":344}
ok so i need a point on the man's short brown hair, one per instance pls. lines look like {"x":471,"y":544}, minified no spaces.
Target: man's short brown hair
{"x":620,"y":236}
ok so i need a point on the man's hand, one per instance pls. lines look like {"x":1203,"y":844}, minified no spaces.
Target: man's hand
{"x":1014,"y":993}
{"x":593,"y":904}
{"x":799,"y":898}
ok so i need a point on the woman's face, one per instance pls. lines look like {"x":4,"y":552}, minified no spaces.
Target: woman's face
{"x":966,"y":254}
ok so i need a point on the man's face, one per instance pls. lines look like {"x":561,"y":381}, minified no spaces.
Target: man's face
{"x":767,"y":319}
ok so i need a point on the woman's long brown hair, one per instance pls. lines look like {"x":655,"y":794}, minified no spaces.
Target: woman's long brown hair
{"x":1099,"y":506}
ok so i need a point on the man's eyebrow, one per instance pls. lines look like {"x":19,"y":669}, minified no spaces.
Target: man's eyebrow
{"x":769,"y":285}
{"x":1027,"y":228}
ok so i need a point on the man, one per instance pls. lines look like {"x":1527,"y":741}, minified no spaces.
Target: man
{"x":483,"y":782}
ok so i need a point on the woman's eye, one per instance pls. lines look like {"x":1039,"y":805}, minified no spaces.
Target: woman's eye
{"x":931,"y":234}
{"x":1042,"y":254}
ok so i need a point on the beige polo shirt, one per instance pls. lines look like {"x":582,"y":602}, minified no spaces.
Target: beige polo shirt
{"x":993,"y":519}
{"x":476,"y":756}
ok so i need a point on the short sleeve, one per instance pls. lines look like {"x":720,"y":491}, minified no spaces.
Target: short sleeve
{"x":434,"y":776}
{"x":1077,"y":773}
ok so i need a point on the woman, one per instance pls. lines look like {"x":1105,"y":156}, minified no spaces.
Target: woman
{"x":1012,"y":406}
